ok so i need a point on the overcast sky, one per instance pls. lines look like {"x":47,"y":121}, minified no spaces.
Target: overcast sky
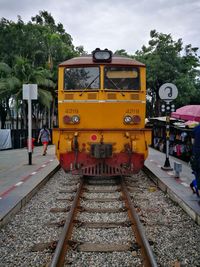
{"x":114,"y":24}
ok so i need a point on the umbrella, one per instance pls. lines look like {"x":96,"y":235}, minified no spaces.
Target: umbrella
{"x":189,"y":112}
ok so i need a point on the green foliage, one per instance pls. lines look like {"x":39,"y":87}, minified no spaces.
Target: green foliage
{"x":8,"y":81}
{"x":5,"y":70}
{"x":121,"y":52}
{"x":35,"y":41}
{"x":45,"y":97}
{"x":168,"y":61}
{"x":30,"y":53}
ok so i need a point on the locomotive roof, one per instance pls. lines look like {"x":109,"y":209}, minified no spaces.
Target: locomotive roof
{"x":87,"y":60}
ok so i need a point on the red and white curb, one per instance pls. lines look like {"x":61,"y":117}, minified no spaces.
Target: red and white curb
{"x":24,"y":179}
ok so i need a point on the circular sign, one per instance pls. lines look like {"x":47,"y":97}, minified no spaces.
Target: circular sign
{"x":168,"y":92}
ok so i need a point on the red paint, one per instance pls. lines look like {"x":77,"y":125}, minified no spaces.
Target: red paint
{"x":136,"y":119}
{"x":8,"y":191}
{"x":84,"y":159}
{"x":93,"y":137}
{"x":66,"y":119}
{"x":23,"y":179}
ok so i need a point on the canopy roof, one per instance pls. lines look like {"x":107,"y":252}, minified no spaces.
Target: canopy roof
{"x":188,"y":113}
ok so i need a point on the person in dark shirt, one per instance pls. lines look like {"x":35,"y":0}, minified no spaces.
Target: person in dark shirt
{"x":196,"y":154}
{"x":196,"y":136}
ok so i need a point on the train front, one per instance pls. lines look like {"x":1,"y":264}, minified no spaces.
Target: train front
{"x":101,"y":108}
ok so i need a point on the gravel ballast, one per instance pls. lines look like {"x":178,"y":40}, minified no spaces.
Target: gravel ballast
{"x":173,"y":234}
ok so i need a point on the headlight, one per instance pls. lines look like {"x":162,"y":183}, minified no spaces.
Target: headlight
{"x":127,"y":119}
{"x":135,"y":119}
{"x":75,"y":119}
{"x":102,"y":55}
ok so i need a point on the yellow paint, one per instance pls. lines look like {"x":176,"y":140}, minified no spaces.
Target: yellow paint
{"x":101,"y":116}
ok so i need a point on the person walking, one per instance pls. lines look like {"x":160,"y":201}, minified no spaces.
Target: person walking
{"x":45,"y":137}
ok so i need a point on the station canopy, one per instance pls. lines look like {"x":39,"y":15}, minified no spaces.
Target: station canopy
{"x":175,"y":122}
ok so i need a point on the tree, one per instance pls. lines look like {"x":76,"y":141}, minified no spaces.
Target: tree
{"x":40,"y":76}
{"x":165,"y":63}
{"x":33,"y":55}
{"x":122,"y":52}
{"x":8,"y":84}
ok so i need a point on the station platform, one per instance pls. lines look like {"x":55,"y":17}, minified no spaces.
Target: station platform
{"x":19,"y":181}
{"x":177,"y":188}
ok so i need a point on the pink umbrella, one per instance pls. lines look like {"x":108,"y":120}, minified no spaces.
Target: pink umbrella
{"x":189,"y":112}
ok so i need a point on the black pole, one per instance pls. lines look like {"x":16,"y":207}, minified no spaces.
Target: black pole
{"x":167,"y":166}
{"x":30,"y":158}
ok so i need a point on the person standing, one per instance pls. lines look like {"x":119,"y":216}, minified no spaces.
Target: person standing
{"x":195,"y":164}
{"x":45,"y":137}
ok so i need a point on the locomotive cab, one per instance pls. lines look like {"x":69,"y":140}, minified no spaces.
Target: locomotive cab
{"x":101,"y":107}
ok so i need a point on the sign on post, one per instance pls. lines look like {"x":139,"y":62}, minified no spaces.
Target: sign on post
{"x":30,"y":92}
{"x":168,"y":92}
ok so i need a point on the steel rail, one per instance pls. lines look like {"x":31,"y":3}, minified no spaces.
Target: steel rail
{"x":59,"y":255}
{"x":149,"y":259}
{"x":60,"y":252}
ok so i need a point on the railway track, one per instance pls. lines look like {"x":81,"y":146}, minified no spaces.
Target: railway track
{"x":107,"y":201}
{"x":31,"y":237}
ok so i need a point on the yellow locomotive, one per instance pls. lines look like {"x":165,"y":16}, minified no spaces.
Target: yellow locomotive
{"x":101,"y":108}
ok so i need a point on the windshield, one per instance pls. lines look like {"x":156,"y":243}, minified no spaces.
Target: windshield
{"x":122,"y":78}
{"x":81,"y":78}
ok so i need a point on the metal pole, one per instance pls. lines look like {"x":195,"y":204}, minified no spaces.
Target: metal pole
{"x":167,"y":162}
{"x":29,"y":93}
{"x":29,"y":131}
